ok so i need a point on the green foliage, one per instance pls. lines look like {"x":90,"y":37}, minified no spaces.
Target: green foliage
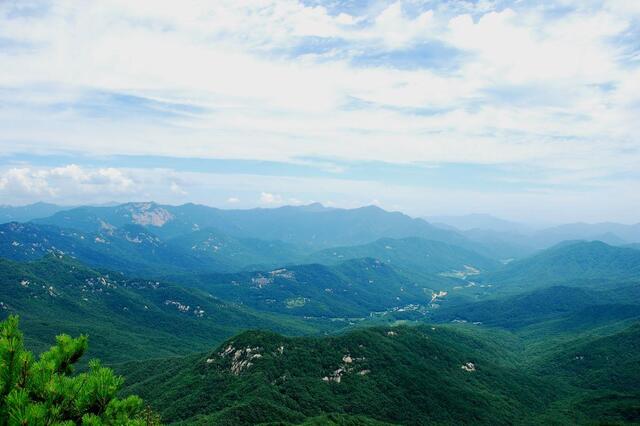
{"x":404,"y":375}
{"x":126,"y":318}
{"x":590,"y":263}
{"x":555,"y":339}
{"x":133,"y":249}
{"x":353,"y":288}
{"x":46,"y":392}
{"x":577,"y":306}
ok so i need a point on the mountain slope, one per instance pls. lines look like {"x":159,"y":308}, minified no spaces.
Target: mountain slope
{"x":231,"y":254}
{"x":353,"y":288}
{"x":570,"y":261}
{"x":135,"y":249}
{"x":606,"y":369}
{"x":403,"y":375}
{"x":414,"y":256}
{"x":28,"y":212}
{"x":572,"y":308}
{"x":125,"y":318}
{"x":130,"y":248}
{"x":312,"y":226}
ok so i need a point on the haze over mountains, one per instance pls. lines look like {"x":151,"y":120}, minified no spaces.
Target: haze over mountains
{"x":365,"y":317}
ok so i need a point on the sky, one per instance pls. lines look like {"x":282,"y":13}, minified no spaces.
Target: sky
{"x":527,"y":110}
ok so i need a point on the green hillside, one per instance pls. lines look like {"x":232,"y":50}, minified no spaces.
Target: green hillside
{"x":421,"y":375}
{"x":570,"y":261}
{"x":606,"y":369}
{"x":125,"y":318}
{"x":226,"y":253}
{"x":353,"y":288}
{"x":516,"y":312}
{"x":389,"y":319}
{"x":135,"y":249}
{"x":416,"y":257}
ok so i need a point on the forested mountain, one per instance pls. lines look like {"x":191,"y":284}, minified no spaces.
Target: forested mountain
{"x":402,"y":322}
{"x":353,"y":288}
{"x":313,"y":227}
{"x":137,"y":250}
{"x":570,"y":261}
{"x":559,"y":303}
{"x":416,"y":257}
{"x":125,"y":318}
{"x":401,"y":375}
{"x":130,"y":248}
{"x":226,"y":253}
{"x":605,"y":369}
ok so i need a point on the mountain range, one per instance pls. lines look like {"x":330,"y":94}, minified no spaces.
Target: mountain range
{"x":314,"y":315}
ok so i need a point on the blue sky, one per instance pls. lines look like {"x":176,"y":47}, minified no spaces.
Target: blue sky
{"x":526,"y":110}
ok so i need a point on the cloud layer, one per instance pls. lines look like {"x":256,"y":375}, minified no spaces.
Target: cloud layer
{"x":550,"y":87}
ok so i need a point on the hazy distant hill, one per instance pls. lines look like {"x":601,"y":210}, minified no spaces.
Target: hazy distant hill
{"x":137,"y":250}
{"x":415,"y":256}
{"x":478,"y":221}
{"x":611,"y":233}
{"x":28,"y":212}
{"x":566,"y":262}
{"x":314,"y":226}
{"x":523,"y":239}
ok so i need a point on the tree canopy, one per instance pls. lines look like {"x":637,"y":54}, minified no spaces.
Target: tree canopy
{"x":45,"y":391}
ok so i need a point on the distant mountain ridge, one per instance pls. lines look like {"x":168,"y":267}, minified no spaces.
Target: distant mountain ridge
{"x":28,"y":212}
{"x":524,"y":239}
{"x":479,"y":221}
{"x":311,"y":227}
{"x":299,"y":224}
{"x":137,"y":249}
{"x":315,"y":227}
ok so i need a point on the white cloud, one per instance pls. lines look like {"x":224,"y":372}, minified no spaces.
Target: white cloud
{"x":524,"y":87}
{"x":65,"y":182}
{"x":23,"y":180}
{"x":269,"y":198}
{"x":177,"y":189}
{"x":605,"y":201}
